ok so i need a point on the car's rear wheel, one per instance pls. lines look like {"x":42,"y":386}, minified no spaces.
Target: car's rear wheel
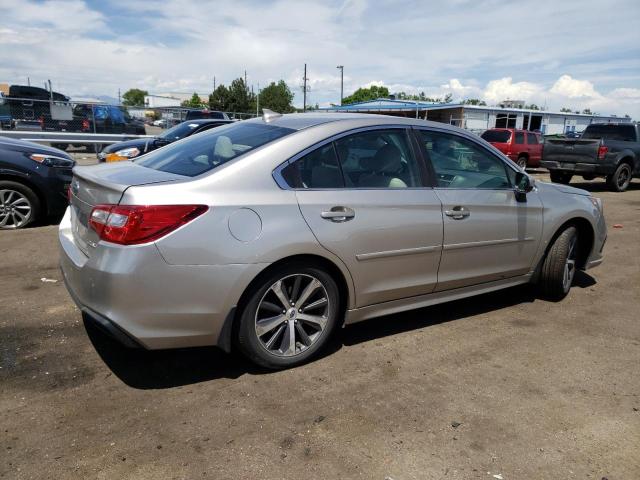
{"x":620,"y":179}
{"x":559,"y":267}
{"x":289,"y":316}
{"x":560,"y":177}
{"x":522,"y":162}
{"x":19,"y":205}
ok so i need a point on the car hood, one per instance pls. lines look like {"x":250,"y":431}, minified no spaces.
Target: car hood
{"x":141,"y":144}
{"x":30,"y":147}
{"x":562,"y":188}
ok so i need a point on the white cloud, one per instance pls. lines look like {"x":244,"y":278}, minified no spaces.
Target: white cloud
{"x":572,"y":88}
{"x":449,"y":47}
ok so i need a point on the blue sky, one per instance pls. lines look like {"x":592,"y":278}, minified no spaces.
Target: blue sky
{"x":579,"y":54}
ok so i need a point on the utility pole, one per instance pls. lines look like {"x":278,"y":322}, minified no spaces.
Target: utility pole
{"x":304,"y":89}
{"x":341,"y":67}
{"x":258,"y":101}
{"x":245,"y":79}
{"x":119,"y":101}
{"x":214,"y":83}
{"x":28,"y":81}
{"x":50,"y":90}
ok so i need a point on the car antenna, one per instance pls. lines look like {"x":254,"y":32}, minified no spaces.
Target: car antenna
{"x":268,"y":115}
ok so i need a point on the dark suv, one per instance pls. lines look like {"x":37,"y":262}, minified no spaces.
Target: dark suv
{"x":33,"y":182}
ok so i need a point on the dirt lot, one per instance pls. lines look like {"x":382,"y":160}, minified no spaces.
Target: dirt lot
{"x":499,"y":386}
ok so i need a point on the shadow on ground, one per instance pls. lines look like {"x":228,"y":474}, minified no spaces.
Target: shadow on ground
{"x":143,"y":369}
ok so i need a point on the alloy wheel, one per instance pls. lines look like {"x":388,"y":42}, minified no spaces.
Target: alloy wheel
{"x":570,"y":264}
{"x":292,"y":315}
{"x":522,"y":163}
{"x":15,"y":209}
{"x":624,"y":177}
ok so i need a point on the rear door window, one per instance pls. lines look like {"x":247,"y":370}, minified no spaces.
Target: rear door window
{"x":532,"y":139}
{"x":496,"y":136}
{"x":624,"y":133}
{"x":519,"y":138}
{"x":378,"y":159}
{"x":201,"y":153}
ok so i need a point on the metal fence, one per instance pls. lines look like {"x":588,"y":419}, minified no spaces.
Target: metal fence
{"x":67,"y":122}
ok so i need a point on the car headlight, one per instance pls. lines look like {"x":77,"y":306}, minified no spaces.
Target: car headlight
{"x":597,"y":202}
{"x":120,"y":155}
{"x":128,"y":152}
{"x":52,"y":160}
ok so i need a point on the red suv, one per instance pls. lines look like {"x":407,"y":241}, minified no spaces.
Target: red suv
{"x":521,"y":146}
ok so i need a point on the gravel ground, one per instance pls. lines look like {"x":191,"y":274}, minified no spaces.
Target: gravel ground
{"x":499,"y":386}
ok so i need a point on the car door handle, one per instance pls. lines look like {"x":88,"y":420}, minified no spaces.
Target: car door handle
{"x":339,"y":214}
{"x":457,"y":213}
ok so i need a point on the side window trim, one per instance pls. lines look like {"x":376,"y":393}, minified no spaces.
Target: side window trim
{"x":469,"y":138}
{"x":281,"y":182}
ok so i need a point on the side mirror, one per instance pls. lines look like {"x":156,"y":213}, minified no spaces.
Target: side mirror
{"x":523,"y":186}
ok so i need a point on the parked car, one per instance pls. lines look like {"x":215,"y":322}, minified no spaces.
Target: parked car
{"x":33,"y":182}
{"x":270,"y":233}
{"x":521,"y":146}
{"x":609,"y":150}
{"x":132,"y":148}
{"x":196,"y":113}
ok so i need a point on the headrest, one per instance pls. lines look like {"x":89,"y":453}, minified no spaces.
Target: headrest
{"x":224,"y":148}
{"x":386,"y":160}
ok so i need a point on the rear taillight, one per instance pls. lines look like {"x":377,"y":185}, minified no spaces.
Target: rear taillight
{"x":85,"y":125}
{"x":602,"y":151}
{"x":135,"y":224}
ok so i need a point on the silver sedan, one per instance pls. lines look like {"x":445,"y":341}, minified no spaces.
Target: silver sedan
{"x":268,"y":234}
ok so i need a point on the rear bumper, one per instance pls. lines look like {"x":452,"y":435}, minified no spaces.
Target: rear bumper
{"x":138,"y":298}
{"x":579,"y":168}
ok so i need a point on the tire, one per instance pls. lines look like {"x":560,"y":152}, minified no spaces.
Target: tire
{"x":560,"y":177}
{"x":559,"y":267}
{"x":522,"y":162}
{"x":620,"y":179}
{"x":19,"y":205}
{"x":268,"y":344}
{"x":588,"y":177}
{"x":61,"y":146}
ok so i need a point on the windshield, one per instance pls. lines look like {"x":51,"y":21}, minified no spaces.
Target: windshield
{"x":625,"y":133}
{"x":203,"y":152}
{"x":496,"y":136}
{"x":181,"y":130}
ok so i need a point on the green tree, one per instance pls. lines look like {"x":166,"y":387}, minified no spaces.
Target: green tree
{"x":587,"y":111}
{"x":365,"y":94}
{"x":134,"y":96}
{"x":277,"y":97}
{"x":240,"y":99}
{"x":532,"y":106}
{"x":566,"y":110}
{"x":194,"y":102}
{"x":474,"y":101}
{"x":219,"y":99}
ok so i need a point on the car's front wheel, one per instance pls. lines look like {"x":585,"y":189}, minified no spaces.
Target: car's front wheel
{"x":289,"y":316}
{"x":560,"y":264}
{"x":19,"y":205}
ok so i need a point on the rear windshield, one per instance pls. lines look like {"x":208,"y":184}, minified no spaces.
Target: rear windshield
{"x":200,"y":153}
{"x":496,"y":136}
{"x":625,"y":133}
{"x":181,"y":130}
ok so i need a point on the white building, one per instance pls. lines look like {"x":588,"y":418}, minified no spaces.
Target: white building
{"x":480,"y":118}
{"x":154,"y":101}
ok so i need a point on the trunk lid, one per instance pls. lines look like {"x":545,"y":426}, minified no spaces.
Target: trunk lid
{"x":105,"y":184}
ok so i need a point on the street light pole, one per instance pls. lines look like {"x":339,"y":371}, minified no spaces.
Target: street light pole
{"x":341,"y":67}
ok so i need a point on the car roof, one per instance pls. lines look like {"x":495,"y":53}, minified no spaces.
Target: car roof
{"x":200,"y":121}
{"x":300,"y":121}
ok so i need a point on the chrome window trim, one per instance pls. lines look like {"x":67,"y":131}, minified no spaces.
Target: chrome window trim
{"x":281,"y":182}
